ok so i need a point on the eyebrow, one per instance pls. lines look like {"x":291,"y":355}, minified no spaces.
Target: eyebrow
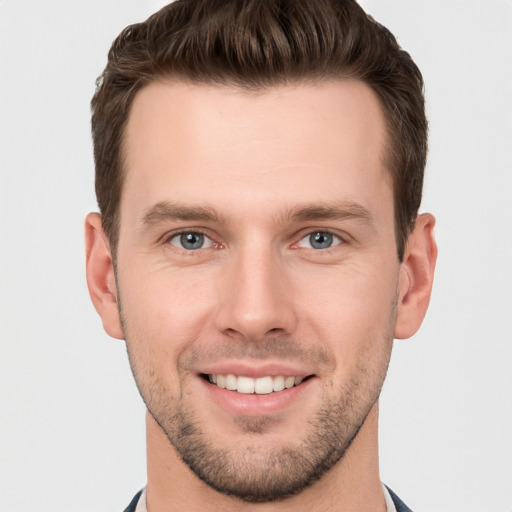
{"x":166,"y":211}
{"x":331,"y":211}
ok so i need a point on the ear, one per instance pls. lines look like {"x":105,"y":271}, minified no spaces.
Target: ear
{"x":100,"y":276}
{"x":416,"y":277}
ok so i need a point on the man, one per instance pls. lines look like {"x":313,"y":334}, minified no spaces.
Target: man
{"x":259,"y":167}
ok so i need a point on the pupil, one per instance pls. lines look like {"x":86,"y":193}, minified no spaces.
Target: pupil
{"x":320,"y":240}
{"x":192,"y":240}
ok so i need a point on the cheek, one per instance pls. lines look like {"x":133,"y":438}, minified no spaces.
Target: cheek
{"x":165,"y":310}
{"x":353,"y":312}
{"x":160,"y":319}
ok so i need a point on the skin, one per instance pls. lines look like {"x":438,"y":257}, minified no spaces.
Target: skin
{"x":257,"y":174}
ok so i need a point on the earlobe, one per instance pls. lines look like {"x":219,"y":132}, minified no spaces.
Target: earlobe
{"x":416,"y":277}
{"x":100,"y":276}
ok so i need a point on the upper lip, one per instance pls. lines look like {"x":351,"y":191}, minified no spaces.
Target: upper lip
{"x":255,"y":370}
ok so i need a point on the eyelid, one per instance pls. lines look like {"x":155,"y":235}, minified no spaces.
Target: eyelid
{"x":166,"y":239}
{"x":342,"y":238}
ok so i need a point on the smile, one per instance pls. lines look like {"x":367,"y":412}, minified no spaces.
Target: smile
{"x":258,"y":386}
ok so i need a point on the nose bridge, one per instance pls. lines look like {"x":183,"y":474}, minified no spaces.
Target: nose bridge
{"x":255,"y":301}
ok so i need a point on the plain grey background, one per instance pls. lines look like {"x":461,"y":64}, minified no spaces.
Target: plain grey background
{"x":71,"y":420}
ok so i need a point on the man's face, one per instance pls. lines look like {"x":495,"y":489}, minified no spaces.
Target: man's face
{"x":257,"y":249}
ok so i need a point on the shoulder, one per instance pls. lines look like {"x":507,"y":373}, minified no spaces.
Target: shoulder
{"x":399,"y":504}
{"x":133,"y":504}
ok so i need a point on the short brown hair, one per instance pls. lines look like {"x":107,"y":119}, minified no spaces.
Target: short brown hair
{"x":256,"y":44}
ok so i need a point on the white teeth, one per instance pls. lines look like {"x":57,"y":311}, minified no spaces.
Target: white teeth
{"x":221,"y":381}
{"x":289,"y":382}
{"x":231,"y":382}
{"x":248,"y":385}
{"x":245,"y":385}
{"x":278,"y":383}
{"x":263,"y":385}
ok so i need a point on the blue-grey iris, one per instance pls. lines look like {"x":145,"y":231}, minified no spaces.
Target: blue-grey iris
{"x":192,"y":241}
{"x":320,"y":240}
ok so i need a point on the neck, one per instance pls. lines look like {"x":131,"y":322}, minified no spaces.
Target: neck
{"x":352,"y":484}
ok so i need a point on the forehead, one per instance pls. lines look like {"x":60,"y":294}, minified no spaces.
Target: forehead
{"x":306,"y":142}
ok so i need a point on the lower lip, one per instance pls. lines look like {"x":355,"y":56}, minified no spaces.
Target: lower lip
{"x":253,"y":404}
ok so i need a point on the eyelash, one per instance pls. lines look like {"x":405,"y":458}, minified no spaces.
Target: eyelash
{"x":341,"y":240}
{"x":215,"y":245}
{"x":176,"y":234}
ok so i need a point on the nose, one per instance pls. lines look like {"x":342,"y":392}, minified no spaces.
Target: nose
{"x":256,"y":300}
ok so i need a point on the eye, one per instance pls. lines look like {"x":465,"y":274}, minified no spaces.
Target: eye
{"x":190,"y":241}
{"x":319,"y":240}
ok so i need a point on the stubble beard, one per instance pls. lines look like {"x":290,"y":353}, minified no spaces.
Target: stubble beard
{"x":271,"y":473}
{"x":268,"y":473}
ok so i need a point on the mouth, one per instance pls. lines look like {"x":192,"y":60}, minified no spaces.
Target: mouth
{"x":258,"y":386}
